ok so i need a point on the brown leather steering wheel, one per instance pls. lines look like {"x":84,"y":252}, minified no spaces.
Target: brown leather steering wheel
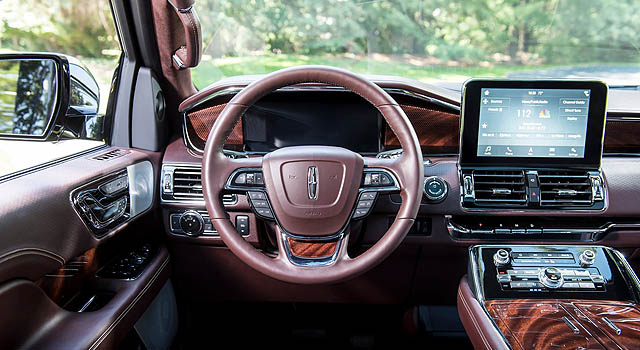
{"x":313,"y":192}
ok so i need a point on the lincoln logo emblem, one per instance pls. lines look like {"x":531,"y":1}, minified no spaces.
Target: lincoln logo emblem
{"x":312,"y":182}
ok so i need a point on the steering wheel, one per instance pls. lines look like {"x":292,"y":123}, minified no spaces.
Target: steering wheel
{"x":312,"y":192}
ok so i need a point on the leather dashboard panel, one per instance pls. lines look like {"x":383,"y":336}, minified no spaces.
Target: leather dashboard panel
{"x":40,"y":228}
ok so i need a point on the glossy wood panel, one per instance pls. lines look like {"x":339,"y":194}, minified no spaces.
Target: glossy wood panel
{"x":626,"y":317}
{"x":539,"y":324}
{"x":307,"y":249}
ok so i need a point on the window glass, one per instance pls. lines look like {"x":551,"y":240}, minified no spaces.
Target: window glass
{"x":436,"y":41}
{"x":82,"y":29}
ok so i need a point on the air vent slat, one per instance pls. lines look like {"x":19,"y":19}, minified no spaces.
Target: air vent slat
{"x":493,"y":188}
{"x":565,"y":188}
{"x":187,"y":185}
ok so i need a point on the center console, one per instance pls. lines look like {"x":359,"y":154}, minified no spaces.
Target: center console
{"x":560,"y":296}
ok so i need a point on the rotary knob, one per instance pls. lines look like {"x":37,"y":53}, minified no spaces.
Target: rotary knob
{"x":587,"y":258}
{"x":192,"y":223}
{"x":501,"y":258}
{"x":435,"y":188}
{"x":551,"y":277}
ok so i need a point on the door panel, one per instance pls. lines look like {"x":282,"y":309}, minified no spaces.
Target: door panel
{"x":40,"y":228}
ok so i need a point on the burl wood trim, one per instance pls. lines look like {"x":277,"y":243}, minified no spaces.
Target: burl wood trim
{"x":526,"y":324}
{"x":307,"y":249}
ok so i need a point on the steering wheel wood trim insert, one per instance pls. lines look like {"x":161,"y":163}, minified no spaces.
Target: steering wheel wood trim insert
{"x":312,"y":191}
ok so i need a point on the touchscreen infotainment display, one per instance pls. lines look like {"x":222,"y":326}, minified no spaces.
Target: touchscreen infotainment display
{"x":546,"y":123}
{"x":532,"y":123}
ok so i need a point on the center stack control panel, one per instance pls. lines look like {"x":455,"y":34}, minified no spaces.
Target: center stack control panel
{"x":515,"y":272}
{"x":544,"y":272}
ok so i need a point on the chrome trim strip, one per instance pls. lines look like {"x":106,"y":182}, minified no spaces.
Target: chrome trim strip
{"x":178,"y":61}
{"x":611,"y":325}
{"x":573,"y":327}
{"x":456,"y":228}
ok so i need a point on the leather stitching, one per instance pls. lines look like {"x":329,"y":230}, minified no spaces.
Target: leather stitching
{"x":110,"y":328}
{"x":473,"y":319}
{"x":194,"y":30}
{"x":35,"y":251}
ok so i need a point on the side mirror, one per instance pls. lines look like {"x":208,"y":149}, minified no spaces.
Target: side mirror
{"x":46,"y":96}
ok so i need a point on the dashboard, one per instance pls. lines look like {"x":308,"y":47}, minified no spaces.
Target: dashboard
{"x":551,"y":195}
{"x":447,"y":223}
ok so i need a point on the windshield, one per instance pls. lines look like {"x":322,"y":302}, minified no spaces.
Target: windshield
{"x":440,"y":41}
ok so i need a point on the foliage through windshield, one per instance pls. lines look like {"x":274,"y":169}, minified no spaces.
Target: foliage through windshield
{"x":438,"y":40}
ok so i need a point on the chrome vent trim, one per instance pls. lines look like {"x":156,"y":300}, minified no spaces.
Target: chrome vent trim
{"x":183,"y":184}
{"x":565,"y":188}
{"x":499,"y":187}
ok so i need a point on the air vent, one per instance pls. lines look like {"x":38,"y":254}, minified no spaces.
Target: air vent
{"x":499,"y":187}
{"x":115,"y":153}
{"x":565,"y":188}
{"x":185,"y":183}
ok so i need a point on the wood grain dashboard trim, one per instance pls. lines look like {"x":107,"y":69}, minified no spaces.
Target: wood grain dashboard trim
{"x":438,"y":130}
{"x":307,"y":249}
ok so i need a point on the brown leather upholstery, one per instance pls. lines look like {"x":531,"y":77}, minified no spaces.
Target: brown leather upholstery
{"x":33,"y":321}
{"x":408,"y":169}
{"x":479,"y":327}
{"x":188,"y":54}
{"x":170,"y":35}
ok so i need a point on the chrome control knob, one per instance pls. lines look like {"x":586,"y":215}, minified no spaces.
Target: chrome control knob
{"x":192,"y":223}
{"x":435,"y":189}
{"x":587,"y":258}
{"x":551,"y":277}
{"x":501,"y":258}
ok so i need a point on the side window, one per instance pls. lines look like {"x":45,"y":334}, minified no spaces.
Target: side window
{"x":81,"y":33}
